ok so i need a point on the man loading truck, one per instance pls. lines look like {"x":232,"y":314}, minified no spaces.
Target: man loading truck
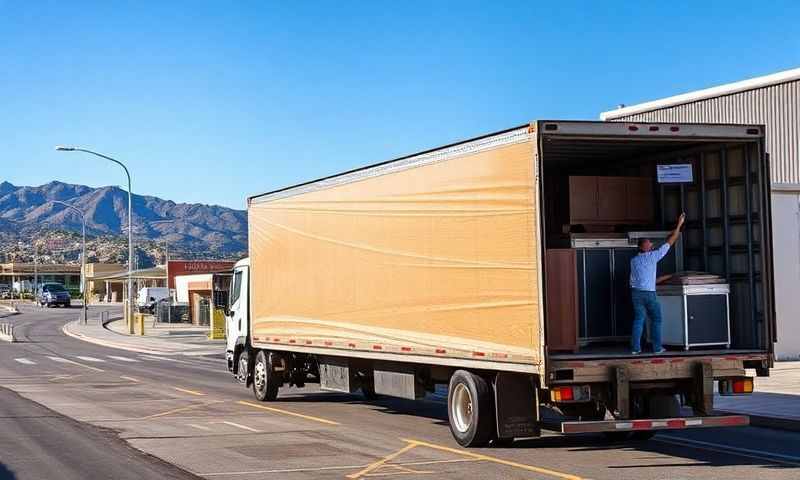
{"x":643,"y":288}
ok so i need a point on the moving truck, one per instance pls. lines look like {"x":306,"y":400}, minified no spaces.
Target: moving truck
{"x":498,"y":266}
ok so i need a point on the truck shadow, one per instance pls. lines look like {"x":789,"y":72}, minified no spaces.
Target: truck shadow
{"x":666,"y":451}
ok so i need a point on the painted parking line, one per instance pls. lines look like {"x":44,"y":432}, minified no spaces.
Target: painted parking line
{"x":243,"y":427}
{"x":130,"y":379}
{"x":199,"y":427}
{"x":122,"y":359}
{"x":335,"y":467}
{"x":181,"y":409}
{"x":72,"y":362}
{"x":381,"y":462}
{"x":190,"y":392}
{"x":25,"y":361}
{"x":500,"y":461}
{"x":720,"y":448}
{"x":287,"y":412}
{"x":90,"y":359}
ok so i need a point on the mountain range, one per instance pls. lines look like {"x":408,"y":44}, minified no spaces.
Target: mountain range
{"x":189,"y":227}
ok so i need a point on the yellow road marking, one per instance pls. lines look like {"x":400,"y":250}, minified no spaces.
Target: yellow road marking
{"x":182,"y":409}
{"x":500,"y":461}
{"x":382,"y":461}
{"x":130,"y":379}
{"x":287,"y":412}
{"x":337,"y":467}
{"x":191,"y":392}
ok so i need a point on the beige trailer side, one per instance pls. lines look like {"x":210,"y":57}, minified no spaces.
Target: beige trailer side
{"x":430,"y":259}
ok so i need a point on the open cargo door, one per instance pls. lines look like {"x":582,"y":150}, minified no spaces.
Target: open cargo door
{"x":432,"y":258}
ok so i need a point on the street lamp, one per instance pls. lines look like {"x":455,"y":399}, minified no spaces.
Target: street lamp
{"x":130,"y":222}
{"x":83,"y":254}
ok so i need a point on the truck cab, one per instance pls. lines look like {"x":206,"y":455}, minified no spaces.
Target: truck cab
{"x":237,"y":321}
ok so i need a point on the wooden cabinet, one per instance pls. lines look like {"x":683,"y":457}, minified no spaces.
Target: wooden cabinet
{"x":561,"y":311}
{"x":610,"y":200}
{"x":640,"y":199}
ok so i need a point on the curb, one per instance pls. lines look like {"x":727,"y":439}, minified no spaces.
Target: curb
{"x":121,"y":346}
{"x":776,"y":423}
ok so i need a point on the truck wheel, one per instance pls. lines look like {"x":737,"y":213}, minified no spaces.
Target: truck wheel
{"x":469,"y":409}
{"x":265,"y":383}
{"x":243,"y":368}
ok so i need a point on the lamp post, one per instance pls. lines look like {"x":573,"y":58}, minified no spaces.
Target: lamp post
{"x":83,"y":254}
{"x":130,"y":222}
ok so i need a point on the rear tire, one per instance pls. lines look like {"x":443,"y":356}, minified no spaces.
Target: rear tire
{"x":470,"y":409}
{"x":265,"y":382}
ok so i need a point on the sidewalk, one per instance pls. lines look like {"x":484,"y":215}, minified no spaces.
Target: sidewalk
{"x":178,"y":340}
{"x":776,"y":401}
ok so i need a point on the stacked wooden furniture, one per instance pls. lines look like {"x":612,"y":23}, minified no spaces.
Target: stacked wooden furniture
{"x":610,"y":200}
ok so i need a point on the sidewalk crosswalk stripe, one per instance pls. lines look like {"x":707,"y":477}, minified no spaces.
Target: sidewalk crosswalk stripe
{"x":25,"y":361}
{"x":59,"y":359}
{"x":89,"y":359}
{"x":122,"y":359}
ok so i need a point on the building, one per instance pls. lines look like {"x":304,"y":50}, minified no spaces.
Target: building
{"x":100,"y":290}
{"x":774,"y":101}
{"x":28,"y":274}
{"x":199,"y":291}
{"x":192,"y":267}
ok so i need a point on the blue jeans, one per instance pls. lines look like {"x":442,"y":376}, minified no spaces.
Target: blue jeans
{"x":645,"y":303}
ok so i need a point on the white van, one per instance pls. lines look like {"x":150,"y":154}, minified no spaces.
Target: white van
{"x":148,"y":295}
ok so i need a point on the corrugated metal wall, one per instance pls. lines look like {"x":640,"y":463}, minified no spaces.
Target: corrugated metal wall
{"x":777,"y":106}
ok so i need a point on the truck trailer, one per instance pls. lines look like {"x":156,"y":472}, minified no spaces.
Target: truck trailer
{"x":499,"y":266}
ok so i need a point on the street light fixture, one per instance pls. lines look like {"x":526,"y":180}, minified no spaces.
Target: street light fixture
{"x":83,"y":254}
{"x":129,"y":312}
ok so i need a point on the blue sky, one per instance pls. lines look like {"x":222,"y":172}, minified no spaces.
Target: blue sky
{"x":213,"y":101}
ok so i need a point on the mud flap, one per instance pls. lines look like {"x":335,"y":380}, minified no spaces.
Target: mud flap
{"x":516,"y":403}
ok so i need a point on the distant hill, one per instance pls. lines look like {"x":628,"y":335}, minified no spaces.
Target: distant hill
{"x":187,"y":227}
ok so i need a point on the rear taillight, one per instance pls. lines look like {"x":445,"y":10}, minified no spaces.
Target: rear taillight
{"x":736,"y":386}
{"x":572,"y":393}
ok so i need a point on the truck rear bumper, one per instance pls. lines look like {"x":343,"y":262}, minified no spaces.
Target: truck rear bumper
{"x":655,"y":424}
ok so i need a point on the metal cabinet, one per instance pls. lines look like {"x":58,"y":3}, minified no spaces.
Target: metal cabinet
{"x":695,"y":315}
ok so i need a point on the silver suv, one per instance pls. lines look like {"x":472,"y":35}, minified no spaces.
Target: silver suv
{"x":49,"y":294}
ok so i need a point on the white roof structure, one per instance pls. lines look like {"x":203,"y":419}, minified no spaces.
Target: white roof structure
{"x":728,"y":89}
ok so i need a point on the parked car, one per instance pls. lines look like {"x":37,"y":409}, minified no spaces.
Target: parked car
{"x":5,"y":291}
{"x":49,"y":294}
{"x":148,"y":297}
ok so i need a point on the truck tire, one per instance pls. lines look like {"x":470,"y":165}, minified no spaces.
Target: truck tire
{"x":265,"y":382}
{"x":243,"y":368}
{"x":469,"y":409}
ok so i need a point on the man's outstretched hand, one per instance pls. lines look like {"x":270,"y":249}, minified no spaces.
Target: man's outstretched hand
{"x":681,"y":219}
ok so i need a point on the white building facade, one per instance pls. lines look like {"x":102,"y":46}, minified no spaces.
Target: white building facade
{"x":774,"y":101}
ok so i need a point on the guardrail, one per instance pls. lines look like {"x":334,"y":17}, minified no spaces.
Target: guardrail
{"x":6,"y":332}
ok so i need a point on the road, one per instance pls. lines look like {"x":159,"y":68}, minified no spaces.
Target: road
{"x":190,"y":413}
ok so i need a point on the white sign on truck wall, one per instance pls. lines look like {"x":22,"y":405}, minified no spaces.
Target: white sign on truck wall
{"x":676,"y":173}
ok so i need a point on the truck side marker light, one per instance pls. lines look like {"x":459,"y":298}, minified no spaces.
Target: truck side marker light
{"x":292,"y":341}
{"x":377,"y":347}
{"x":351,"y":345}
{"x":441,"y":351}
{"x":328,"y":343}
{"x":478,"y":354}
{"x":674,"y":128}
{"x":309,"y":342}
{"x":405,"y":349}
{"x":653,"y":128}
{"x":633,"y":128}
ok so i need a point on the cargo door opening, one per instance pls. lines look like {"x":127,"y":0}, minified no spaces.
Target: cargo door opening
{"x":600,"y":195}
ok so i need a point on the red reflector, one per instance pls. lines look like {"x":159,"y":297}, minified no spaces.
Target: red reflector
{"x":676,"y":423}
{"x":642,"y":425}
{"x":633,"y":128}
{"x":653,"y":128}
{"x":351,"y":345}
{"x":674,"y":129}
{"x":377,"y":347}
{"x":478,"y":354}
{"x":309,"y":342}
{"x":441,"y":350}
{"x":405,"y":349}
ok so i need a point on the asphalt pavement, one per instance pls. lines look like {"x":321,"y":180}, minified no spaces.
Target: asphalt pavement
{"x":190,"y":413}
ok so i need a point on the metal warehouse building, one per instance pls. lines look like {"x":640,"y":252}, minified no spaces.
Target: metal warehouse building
{"x":772,"y":100}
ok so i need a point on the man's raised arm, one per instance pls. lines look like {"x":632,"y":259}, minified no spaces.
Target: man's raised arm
{"x":673,"y":236}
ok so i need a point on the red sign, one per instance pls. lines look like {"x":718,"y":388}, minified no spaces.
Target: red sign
{"x":190,"y":267}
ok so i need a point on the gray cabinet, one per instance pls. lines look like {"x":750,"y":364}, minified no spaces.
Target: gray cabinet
{"x":695,"y":315}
